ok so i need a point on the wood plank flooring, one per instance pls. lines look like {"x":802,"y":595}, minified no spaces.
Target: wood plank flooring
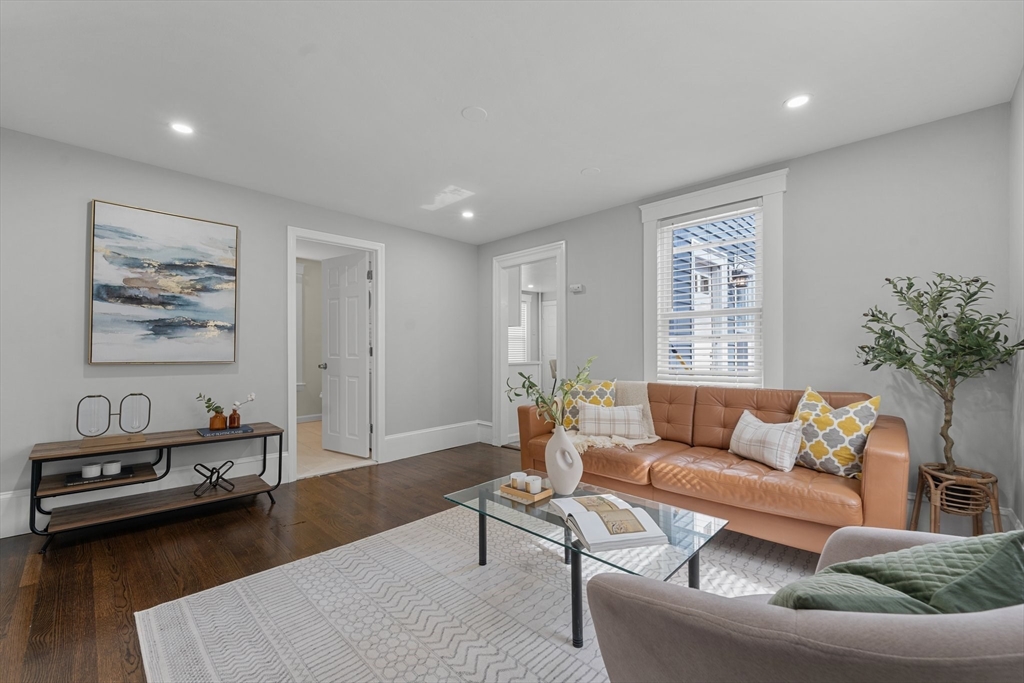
{"x":69,"y":615}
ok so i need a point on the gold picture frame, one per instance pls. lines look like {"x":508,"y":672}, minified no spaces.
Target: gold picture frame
{"x":159,"y":288}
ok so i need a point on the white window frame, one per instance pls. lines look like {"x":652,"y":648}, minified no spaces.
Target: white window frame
{"x":524,"y":319}
{"x":770,"y":188}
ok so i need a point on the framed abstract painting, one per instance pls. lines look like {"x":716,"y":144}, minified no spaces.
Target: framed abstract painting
{"x":164,"y":287}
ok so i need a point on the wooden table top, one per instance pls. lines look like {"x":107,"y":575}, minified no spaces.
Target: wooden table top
{"x":179,"y":437}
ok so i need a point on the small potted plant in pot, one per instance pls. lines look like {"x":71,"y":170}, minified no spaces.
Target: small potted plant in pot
{"x":218,"y":420}
{"x":947,"y":340}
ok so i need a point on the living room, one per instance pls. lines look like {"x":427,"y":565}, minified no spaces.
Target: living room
{"x":166,"y":160}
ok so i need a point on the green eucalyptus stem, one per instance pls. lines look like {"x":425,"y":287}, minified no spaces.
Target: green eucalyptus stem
{"x":952,"y":340}
{"x":550,"y":406}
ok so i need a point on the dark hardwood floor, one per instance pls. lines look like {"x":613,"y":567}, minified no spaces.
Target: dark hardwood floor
{"x":69,"y":615}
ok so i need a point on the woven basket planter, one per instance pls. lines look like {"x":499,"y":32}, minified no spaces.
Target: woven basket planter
{"x":965,"y":492}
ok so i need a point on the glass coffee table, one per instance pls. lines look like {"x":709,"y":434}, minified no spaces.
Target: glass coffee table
{"x":687,"y":533}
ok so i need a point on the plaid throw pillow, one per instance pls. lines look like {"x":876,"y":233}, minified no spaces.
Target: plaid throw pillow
{"x":775,"y":445}
{"x":624,"y":421}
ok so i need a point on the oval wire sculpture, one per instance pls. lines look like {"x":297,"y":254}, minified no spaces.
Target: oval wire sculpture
{"x":135,"y":411}
{"x":92,"y":413}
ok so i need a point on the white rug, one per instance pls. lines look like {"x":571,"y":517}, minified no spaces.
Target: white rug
{"x":412,"y":604}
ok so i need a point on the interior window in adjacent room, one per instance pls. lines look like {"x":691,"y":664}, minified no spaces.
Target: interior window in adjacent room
{"x":518,"y":337}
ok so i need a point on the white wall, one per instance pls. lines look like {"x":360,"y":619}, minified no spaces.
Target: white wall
{"x":45,"y":190}
{"x":1016,"y":269}
{"x":929,"y":198}
{"x":308,"y":400}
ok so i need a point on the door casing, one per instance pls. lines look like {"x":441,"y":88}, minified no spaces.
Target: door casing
{"x":377,"y":362}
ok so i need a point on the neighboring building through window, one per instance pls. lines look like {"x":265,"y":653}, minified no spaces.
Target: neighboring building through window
{"x":709,"y":304}
{"x":713,"y":285}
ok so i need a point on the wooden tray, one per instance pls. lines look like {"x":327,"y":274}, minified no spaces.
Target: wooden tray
{"x":512,"y":493}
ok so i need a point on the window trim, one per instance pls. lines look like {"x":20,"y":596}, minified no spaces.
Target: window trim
{"x":770,"y":188}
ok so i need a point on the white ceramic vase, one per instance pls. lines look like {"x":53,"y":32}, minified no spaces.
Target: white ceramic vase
{"x":565,"y":468}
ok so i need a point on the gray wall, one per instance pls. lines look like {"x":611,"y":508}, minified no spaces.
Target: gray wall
{"x":308,"y":400}
{"x":45,"y":190}
{"x":1016,"y":268}
{"x":929,"y":198}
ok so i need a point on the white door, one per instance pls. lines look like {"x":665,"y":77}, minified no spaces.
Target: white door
{"x":346,"y":349}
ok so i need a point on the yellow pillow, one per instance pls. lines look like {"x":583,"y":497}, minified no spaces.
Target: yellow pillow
{"x":596,"y":394}
{"x":833,"y":439}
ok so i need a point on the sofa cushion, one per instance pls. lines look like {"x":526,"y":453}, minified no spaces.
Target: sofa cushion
{"x":717,"y":410}
{"x":717,"y":475}
{"x":616,"y":462}
{"x":672,"y":410}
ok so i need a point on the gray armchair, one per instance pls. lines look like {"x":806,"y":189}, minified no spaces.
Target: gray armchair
{"x":652,"y":632}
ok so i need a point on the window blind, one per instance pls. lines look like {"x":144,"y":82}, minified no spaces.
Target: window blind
{"x":710,"y":297}
{"x":517,"y":336}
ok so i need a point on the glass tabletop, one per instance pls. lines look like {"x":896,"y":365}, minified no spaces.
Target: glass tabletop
{"x":687,"y":531}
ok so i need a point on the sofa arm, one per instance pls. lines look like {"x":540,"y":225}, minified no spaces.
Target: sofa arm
{"x":855,"y":542}
{"x":530,"y":425}
{"x":657,"y":632}
{"x":883,"y":486}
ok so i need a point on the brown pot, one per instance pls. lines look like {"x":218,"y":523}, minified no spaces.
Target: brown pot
{"x":234,"y":419}
{"x":218,"y":421}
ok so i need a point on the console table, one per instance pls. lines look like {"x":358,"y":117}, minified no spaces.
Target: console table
{"x":71,"y":517}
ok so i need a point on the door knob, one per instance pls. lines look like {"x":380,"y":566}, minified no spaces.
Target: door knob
{"x":322,"y":366}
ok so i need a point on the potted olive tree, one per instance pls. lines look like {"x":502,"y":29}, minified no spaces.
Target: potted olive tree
{"x":946,"y":340}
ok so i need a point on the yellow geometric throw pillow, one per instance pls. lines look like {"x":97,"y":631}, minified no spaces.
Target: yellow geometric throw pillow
{"x":834,"y":438}
{"x":596,"y":394}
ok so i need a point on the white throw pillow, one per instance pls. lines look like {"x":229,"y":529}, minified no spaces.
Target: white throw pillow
{"x":775,"y":445}
{"x":624,"y":421}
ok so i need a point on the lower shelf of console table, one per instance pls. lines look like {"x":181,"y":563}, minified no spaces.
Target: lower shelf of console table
{"x":79,"y":516}
{"x":128,"y":507}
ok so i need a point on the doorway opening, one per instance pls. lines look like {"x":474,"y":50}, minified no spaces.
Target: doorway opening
{"x":335,"y":352}
{"x":529,"y":329}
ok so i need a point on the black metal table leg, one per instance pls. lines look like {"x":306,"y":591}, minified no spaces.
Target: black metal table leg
{"x":577,"y":595}
{"x":568,"y":542}
{"x":42,"y":551}
{"x":693,"y":567}
{"x":483,"y":529}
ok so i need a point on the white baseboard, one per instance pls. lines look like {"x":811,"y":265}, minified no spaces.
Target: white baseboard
{"x":408,"y":444}
{"x":483,"y":431}
{"x":309,"y":418}
{"x":14,"y":505}
{"x":960,"y":526}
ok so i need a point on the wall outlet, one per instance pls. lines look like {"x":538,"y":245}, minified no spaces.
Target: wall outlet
{"x":577,"y":289}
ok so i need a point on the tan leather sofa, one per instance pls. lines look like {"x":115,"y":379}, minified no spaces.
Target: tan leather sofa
{"x":691,"y":467}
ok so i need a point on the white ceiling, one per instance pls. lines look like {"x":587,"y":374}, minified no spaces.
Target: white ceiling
{"x":356,"y":106}
{"x":541,"y":275}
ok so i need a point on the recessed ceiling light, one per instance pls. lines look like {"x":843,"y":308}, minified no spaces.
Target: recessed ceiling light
{"x":590,"y":171}
{"x":467,"y":214}
{"x":529,"y":286}
{"x":182,"y":128}
{"x":798,"y":101}
{"x":474,"y":114}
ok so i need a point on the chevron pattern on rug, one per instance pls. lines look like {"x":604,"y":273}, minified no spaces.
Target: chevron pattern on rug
{"x":412,"y":604}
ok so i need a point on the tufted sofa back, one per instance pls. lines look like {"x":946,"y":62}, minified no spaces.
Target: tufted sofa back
{"x":706,"y":416}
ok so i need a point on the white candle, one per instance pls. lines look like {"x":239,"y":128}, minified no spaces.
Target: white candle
{"x":519,"y":480}
{"x":533,"y":484}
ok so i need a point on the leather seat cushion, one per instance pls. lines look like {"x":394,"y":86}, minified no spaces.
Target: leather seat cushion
{"x":718,"y":475}
{"x":616,"y":462}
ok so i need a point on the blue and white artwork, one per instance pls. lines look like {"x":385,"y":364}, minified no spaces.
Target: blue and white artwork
{"x":163,"y":287}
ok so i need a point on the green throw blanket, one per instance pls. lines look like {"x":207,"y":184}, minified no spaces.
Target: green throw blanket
{"x":965,"y":575}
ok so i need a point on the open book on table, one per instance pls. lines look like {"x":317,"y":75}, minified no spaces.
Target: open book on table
{"x":605,"y":522}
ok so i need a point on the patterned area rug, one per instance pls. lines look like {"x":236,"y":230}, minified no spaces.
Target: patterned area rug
{"x":412,"y":604}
